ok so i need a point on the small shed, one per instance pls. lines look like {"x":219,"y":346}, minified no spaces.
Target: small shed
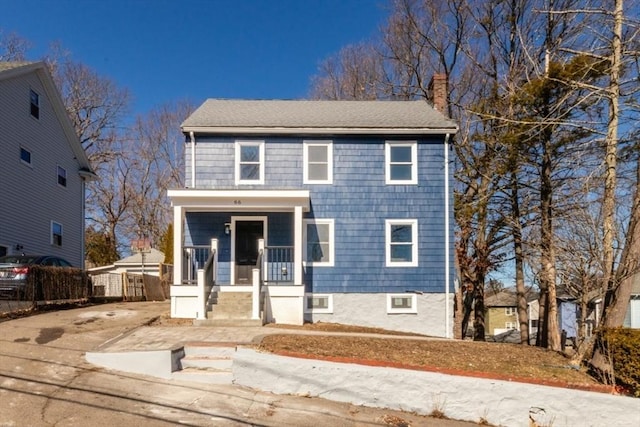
{"x":108,"y":280}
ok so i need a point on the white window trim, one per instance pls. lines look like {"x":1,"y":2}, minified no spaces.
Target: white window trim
{"x":414,"y":162}
{"x":261,"y":161}
{"x":328,"y":310}
{"x":510,"y":311}
{"x":510,"y":325}
{"x":61,"y":234}
{"x":414,"y":242}
{"x":411,"y":310}
{"x":331,"y":224}
{"x":58,"y":176}
{"x":305,"y":162}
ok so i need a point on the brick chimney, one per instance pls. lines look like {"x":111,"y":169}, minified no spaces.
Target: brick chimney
{"x":438,"y":89}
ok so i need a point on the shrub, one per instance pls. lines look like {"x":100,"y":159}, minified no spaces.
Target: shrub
{"x":623,"y":346}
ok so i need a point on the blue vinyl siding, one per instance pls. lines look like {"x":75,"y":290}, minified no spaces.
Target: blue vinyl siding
{"x":358,"y":201}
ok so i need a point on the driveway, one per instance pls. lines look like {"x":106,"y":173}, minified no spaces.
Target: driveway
{"x":45,"y":381}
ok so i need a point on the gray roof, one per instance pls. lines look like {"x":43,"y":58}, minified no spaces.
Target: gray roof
{"x":4,"y":65}
{"x":305,"y":114}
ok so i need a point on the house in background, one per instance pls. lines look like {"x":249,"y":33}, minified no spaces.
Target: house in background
{"x":333,"y":211}
{"x":108,"y":280}
{"x":632,"y":317}
{"x":43,"y":167}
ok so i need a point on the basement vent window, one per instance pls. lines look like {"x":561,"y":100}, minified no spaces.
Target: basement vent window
{"x":402,"y":304}
{"x":317,"y":303}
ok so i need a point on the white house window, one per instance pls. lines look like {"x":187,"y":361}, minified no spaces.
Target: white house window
{"x":510,"y":325}
{"x":25,"y":156}
{"x":402,"y":242}
{"x":62,"y":176}
{"x":35,"y":104}
{"x":510,"y":311}
{"x":318,"y":303}
{"x":249,"y":162}
{"x":56,"y":233}
{"x":319,"y":242}
{"x":402,"y":304}
{"x":401,"y":162}
{"x":318,"y":162}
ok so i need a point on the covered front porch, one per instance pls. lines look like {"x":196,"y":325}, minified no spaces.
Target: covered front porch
{"x":238,"y":241}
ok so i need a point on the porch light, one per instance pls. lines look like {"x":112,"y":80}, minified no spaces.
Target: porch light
{"x":227,"y":228}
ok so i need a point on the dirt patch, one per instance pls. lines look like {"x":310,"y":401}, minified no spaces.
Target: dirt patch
{"x":338,"y":327}
{"x":167,"y":320}
{"x":49,"y":334}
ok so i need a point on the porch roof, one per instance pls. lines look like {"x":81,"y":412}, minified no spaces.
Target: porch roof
{"x":239,"y":200}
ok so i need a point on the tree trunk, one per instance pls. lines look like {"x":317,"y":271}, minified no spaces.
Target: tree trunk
{"x":516,"y":230}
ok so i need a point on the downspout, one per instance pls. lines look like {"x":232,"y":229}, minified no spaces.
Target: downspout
{"x":193,"y":159}
{"x":447,"y":261}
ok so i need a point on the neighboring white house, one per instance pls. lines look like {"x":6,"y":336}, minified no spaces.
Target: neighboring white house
{"x":43,"y":167}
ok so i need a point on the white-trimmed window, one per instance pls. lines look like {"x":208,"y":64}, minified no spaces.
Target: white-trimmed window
{"x":401,"y":162}
{"x":510,"y":311}
{"x":62,"y":176}
{"x":56,"y":233}
{"x":402,"y":304}
{"x":510,"y":325}
{"x":25,"y":156}
{"x":319,"y":242}
{"x":318,"y":162}
{"x":318,"y":303}
{"x":402,"y":242}
{"x":249,"y":162}
{"x":34,"y":99}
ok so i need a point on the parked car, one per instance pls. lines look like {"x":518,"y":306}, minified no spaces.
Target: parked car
{"x":14,"y":270}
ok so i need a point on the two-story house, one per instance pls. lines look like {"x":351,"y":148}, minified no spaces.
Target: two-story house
{"x":43,"y":167}
{"x":333,"y":211}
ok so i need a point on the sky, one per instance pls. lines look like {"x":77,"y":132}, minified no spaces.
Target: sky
{"x":165,"y":51}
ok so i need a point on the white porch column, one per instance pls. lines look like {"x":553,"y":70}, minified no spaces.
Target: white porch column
{"x":178,"y":225}
{"x":297,"y":246}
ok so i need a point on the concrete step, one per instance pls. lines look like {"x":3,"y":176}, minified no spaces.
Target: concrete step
{"x":228,"y":322}
{"x":206,"y":362}
{"x":207,"y":376}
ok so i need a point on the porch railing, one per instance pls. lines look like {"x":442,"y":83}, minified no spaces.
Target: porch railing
{"x":206,"y":279}
{"x":194,"y":258}
{"x":278,"y":264}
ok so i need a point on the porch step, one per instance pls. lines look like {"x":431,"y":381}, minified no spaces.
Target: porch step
{"x":206,"y":363}
{"x":231,"y":306}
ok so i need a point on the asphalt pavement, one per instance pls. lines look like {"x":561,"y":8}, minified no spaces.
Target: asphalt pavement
{"x":45,"y":379}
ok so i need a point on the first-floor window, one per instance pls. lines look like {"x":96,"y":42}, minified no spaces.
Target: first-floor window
{"x":25,"y":155}
{"x":402,"y":242}
{"x":319,"y":238}
{"x":318,"y":303}
{"x":56,"y":233}
{"x":402,"y":303}
{"x":510,"y":325}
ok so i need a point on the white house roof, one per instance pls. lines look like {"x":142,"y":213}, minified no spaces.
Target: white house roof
{"x":154,"y":256}
{"x":10,"y":70}
{"x":288,"y":116}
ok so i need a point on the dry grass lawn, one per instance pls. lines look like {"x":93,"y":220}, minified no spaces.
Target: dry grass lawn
{"x":491,"y":360}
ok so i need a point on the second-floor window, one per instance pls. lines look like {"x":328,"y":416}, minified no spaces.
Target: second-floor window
{"x":35,"y":104}
{"x":318,"y":162}
{"x":401,"y":163}
{"x":62,"y":176}
{"x":249,"y":162}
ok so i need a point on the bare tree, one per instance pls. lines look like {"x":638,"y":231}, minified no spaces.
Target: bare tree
{"x":13,"y":47}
